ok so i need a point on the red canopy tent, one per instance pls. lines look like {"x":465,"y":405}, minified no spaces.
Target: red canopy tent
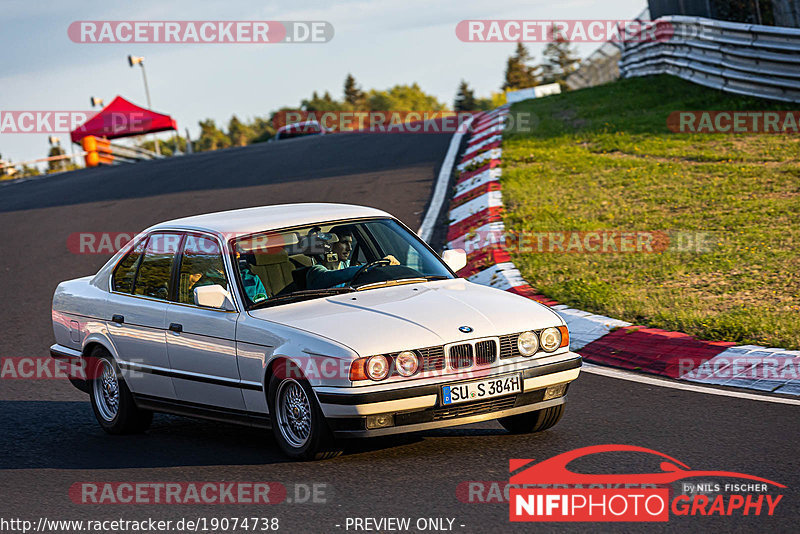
{"x":122,"y":119}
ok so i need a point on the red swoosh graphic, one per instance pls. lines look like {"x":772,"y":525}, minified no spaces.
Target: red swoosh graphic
{"x":554,"y":470}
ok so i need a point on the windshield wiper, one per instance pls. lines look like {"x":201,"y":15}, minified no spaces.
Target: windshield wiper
{"x":398,"y":281}
{"x":297,"y":296}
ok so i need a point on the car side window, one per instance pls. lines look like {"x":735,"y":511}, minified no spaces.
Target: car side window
{"x":155,"y":272}
{"x":125,"y":272}
{"x":201,"y":265}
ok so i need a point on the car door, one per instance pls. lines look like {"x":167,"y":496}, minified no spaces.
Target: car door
{"x":201,"y":341}
{"x":137,"y":306}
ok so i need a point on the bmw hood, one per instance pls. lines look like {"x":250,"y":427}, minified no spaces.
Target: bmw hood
{"x":412,"y":316}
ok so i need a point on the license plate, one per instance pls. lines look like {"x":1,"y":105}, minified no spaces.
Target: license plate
{"x":482,"y":389}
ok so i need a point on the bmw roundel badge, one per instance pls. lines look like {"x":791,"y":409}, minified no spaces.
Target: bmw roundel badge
{"x":465,"y":329}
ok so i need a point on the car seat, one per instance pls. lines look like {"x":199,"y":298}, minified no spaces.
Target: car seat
{"x":274,"y":270}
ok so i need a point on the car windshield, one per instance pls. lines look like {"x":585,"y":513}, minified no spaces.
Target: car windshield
{"x":286,"y":266}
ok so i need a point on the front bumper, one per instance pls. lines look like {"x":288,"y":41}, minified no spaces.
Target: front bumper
{"x":419,"y":407}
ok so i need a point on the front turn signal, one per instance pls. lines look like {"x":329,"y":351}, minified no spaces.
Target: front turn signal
{"x":564,"y":336}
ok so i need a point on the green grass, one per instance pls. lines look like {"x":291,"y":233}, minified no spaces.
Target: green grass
{"x":603,"y":159}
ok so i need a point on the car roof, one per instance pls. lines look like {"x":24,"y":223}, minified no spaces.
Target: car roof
{"x":297,"y":125}
{"x":250,"y":220}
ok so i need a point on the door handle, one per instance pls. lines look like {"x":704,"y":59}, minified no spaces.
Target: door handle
{"x":176,"y":327}
{"x":117,"y":318}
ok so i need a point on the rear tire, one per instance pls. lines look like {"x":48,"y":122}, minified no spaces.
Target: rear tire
{"x":527,"y":423}
{"x":298,"y":424}
{"x":112,"y":401}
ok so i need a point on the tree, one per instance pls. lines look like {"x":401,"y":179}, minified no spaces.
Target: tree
{"x":211,"y":137}
{"x":167,"y":146}
{"x":495,"y":100}
{"x":403,"y":98}
{"x":465,"y":98}
{"x":263,"y":129}
{"x":28,"y":171}
{"x":750,"y":12}
{"x":518,"y":74}
{"x":353,"y":95}
{"x":238,"y":132}
{"x":560,"y":60}
{"x":58,"y":164}
{"x":323,"y":103}
{"x":5,"y":168}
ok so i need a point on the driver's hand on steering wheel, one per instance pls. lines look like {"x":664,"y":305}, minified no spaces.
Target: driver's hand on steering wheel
{"x":392,"y":260}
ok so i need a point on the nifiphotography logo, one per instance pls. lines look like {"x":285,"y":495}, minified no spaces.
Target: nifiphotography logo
{"x":549,"y":491}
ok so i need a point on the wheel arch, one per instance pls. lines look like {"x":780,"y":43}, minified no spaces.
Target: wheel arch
{"x":273,"y":363}
{"x":270,"y":370}
{"x":96,"y":340}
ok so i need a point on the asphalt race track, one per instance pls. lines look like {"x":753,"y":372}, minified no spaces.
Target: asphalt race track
{"x":50,"y":439}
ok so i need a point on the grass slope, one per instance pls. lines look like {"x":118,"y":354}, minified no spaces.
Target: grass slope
{"x":603,"y":159}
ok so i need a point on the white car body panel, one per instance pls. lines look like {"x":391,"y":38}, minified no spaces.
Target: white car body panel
{"x":429,"y":314}
{"x":206,"y":346}
{"x":141,"y":342}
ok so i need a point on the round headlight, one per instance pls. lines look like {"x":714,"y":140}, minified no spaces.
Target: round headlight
{"x":406,"y":363}
{"x":377,"y":367}
{"x":551,"y":339}
{"x":528,"y":343}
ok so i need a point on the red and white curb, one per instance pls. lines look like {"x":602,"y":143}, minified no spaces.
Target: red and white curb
{"x":476,"y":225}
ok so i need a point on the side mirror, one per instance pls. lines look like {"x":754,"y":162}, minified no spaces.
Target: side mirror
{"x":213,"y":296}
{"x":456,"y":259}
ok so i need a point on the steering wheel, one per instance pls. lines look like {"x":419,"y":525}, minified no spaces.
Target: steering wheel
{"x":367,"y":266}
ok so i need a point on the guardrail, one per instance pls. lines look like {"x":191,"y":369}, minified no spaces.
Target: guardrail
{"x":100,"y":151}
{"x":601,"y":66}
{"x":748,"y":59}
{"x":9,"y":170}
{"x":96,"y":151}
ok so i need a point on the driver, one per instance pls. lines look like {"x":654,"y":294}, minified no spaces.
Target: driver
{"x":206,"y":275}
{"x":343,"y":248}
{"x":335,"y":273}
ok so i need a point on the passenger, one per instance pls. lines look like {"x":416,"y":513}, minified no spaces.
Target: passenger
{"x":253,"y":286}
{"x":209,"y":276}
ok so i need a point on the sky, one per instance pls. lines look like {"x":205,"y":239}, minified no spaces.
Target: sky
{"x":382,"y":43}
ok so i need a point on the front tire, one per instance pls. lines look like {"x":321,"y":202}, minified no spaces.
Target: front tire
{"x":527,"y":423}
{"x":112,"y":401}
{"x":298,"y":423}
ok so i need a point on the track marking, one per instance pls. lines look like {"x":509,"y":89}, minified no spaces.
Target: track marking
{"x":426,"y":230}
{"x":662,"y":382}
{"x":440,"y":188}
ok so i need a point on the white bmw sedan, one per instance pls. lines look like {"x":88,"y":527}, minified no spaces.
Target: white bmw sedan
{"x":319,"y":321}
